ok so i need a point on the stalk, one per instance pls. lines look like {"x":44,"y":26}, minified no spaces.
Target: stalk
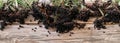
{"x":101,"y":11}
{"x":82,"y":4}
{"x":16,"y":3}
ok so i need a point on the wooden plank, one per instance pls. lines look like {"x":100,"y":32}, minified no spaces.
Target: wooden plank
{"x":26,"y":35}
{"x":12,"y":34}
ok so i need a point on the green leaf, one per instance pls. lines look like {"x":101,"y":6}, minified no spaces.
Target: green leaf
{"x":1,"y":4}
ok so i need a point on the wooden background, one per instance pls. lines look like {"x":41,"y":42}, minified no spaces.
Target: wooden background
{"x":12,"y":34}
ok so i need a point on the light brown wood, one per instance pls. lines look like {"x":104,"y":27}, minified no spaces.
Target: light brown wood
{"x":12,"y":34}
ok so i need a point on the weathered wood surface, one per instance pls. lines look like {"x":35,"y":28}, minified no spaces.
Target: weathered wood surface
{"x":12,"y":34}
{"x":26,"y":35}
